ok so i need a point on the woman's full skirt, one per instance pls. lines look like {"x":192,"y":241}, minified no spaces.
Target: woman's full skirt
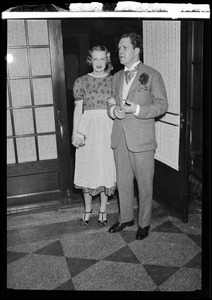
{"x":94,"y":162}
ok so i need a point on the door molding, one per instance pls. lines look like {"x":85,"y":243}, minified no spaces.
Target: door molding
{"x":59,"y":92}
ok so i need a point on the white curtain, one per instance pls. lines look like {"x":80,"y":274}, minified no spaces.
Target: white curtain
{"x":161,"y":46}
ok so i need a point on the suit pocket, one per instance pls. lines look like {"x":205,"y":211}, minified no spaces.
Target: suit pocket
{"x":146,"y":133}
{"x":139,"y":132}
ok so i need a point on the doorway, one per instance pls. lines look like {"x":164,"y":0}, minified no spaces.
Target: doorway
{"x":79,"y":35}
{"x":51,"y":62}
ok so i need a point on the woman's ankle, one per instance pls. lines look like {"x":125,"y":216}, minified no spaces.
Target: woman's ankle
{"x":86,"y":215}
{"x":102,"y":215}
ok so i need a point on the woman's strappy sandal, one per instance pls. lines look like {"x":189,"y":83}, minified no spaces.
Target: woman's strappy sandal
{"x":102,"y":222}
{"x":83,"y":221}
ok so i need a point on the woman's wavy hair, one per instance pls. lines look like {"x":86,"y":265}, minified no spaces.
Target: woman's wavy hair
{"x":136,"y":40}
{"x":109,"y":66}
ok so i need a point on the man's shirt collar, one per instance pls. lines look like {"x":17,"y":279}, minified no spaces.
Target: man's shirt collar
{"x":133,"y":66}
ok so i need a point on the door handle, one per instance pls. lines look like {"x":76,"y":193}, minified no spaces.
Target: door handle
{"x":60,"y":125}
{"x":61,"y":131}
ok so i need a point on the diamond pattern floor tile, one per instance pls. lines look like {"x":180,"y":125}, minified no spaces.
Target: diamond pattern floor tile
{"x":167,"y":226}
{"x":37,"y":272}
{"x":114,"y":276}
{"x":12,"y":256}
{"x":128,"y":236}
{"x":124,"y":254}
{"x":52,"y":249}
{"x":195,"y":262}
{"x":30,"y":247}
{"x":64,"y":256}
{"x":196,"y":238}
{"x":159,"y":273}
{"x":67,"y":286}
{"x":165,"y":249}
{"x":95,"y":245}
{"x":184,"y":280}
{"x":194,"y":225}
{"x":77,"y":265}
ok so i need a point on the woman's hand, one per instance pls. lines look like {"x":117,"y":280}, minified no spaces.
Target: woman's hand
{"x":78,"y":140}
{"x":111,"y":101}
{"x":75,"y":141}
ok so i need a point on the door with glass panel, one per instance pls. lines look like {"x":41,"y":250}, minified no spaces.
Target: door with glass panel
{"x":38,"y":158}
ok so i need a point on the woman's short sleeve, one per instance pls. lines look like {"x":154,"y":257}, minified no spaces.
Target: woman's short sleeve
{"x":78,"y":90}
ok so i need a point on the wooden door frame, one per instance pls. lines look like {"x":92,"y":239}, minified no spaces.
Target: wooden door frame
{"x":185,"y":99}
{"x":60,"y":100}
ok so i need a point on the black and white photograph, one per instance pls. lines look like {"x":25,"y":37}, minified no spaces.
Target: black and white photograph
{"x":108,"y":163}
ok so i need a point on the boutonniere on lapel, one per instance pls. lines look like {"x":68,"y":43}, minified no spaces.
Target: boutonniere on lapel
{"x":143,"y":79}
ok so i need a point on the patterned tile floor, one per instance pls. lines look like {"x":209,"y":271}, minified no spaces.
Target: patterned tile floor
{"x":49,"y":250}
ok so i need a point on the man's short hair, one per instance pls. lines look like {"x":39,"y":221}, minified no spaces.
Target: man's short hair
{"x":136,"y":40}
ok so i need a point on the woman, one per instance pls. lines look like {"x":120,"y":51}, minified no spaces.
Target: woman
{"x":94,"y":166}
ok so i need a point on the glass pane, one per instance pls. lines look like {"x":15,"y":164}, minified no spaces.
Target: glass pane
{"x":40,"y":61}
{"x":23,"y":121}
{"x":16,"y":33}
{"x":45,"y":121}
{"x":26,"y":149}
{"x":9,"y":124}
{"x":20,"y":91}
{"x":42,"y":88}
{"x":47,"y":147}
{"x":19,"y":65}
{"x":38,"y":32}
{"x":10,"y":152}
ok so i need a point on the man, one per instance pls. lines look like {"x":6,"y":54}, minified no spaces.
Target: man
{"x":138,"y":97}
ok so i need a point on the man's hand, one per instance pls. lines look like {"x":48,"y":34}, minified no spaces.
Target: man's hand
{"x":118,"y":112}
{"x":129,"y":107}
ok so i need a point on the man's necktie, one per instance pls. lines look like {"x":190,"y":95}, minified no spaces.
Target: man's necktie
{"x":130,"y":73}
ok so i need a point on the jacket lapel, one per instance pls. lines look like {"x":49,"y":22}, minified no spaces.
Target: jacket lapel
{"x":136,"y":80}
{"x":120,"y":84}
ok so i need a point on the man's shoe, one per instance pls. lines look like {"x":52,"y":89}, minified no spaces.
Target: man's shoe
{"x":142,"y":233}
{"x":120,"y":226}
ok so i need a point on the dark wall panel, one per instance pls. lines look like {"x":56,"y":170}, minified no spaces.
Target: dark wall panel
{"x":32,"y":184}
